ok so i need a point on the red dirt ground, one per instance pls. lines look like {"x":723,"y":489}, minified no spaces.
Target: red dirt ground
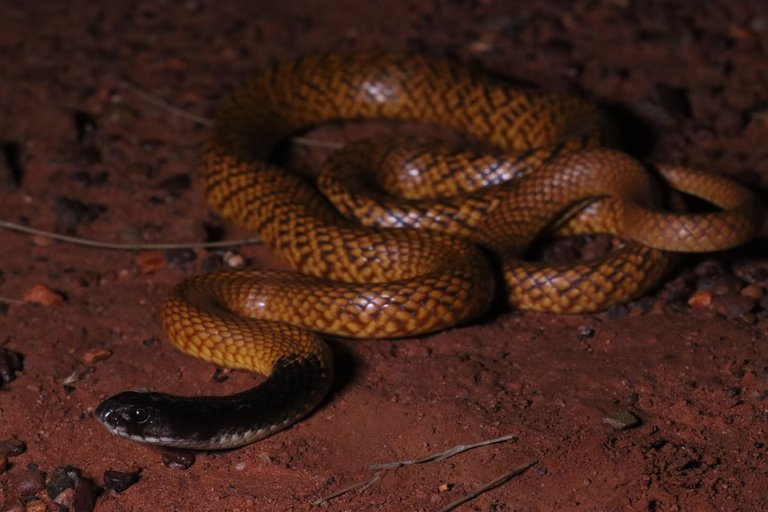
{"x":100,"y":161}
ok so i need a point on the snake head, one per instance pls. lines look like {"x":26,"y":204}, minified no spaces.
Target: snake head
{"x":134,"y":415}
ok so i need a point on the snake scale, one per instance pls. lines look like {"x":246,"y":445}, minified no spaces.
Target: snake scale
{"x":439,"y":232}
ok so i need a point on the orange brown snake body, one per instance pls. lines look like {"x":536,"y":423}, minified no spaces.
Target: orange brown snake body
{"x":374,"y":282}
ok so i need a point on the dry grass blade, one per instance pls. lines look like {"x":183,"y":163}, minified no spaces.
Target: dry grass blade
{"x":436,"y":457}
{"x":124,"y":247}
{"x":502,"y":479}
{"x":360,"y":486}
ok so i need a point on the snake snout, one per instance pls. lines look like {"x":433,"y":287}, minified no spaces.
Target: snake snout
{"x":126,"y":415}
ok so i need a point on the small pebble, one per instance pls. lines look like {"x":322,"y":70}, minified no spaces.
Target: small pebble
{"x":36,"y":506}
{"x":444,"y":488}
{"x":30,"y":481}
{"x":701,"y":299}
{"x":150,"y":262}
{"x":621,"y":420}
{"x":97,"y":354}
{"x":753,"y":274}
{"x":84,"y":497}
{"x":119,"y":481}
{"x":62,"y":478}
{"x":42,"y":295}
{"x":733,"y":305}
{"x":753,"y":291}
{"x":719,"y":284}
{"x":64,"y":498}
{"x":233,"y":260}
{"x":12,"y":447}
{"x":676,"y":289}
{"x":10,"y":363}
{"x":585,"y":332}
{"x":149,"y":342}
{"x":178,"y":459}
{"x":221,"y":374}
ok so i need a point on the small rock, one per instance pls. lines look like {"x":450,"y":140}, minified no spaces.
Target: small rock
{"x":97,"y":354}
{"x":150,"y":262}
{"x":30,"y":481}
{"x":733,"y":305}
{"x":621,"y":420}
{"x":221,"y":374}
{"x":41,"y":294}
{"x":586,"y":332}
{"x":10,"y":363}
{"x":12,"y":447}
{"x":175,"y":459}
{"x":444,"y":487}
{"x":233,"y":260}
{"x":119,"y":481}
{"x":701,"y":299}
{"x":36,"y":506}
{"x":149,"y":342}
{"x":719,"y":284}
{"x":676,"y":289}
{"x":753,"y":291}
{"x":753,"y":273}
{"x":65,"y":497}
{"x":84,"y":497}
{"x":62,"y":478}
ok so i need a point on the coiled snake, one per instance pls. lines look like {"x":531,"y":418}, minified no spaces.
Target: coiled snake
{"x":363,"y":279}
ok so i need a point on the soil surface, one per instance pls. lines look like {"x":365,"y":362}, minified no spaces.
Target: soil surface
{"x":660,"y":405}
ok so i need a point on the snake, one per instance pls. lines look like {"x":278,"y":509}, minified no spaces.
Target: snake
{"x":404,"y":237}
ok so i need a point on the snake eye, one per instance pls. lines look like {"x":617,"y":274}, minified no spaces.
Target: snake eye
{"x":138,"y":415}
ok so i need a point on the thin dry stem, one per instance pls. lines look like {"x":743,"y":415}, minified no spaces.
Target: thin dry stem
{"x":121,"y":246}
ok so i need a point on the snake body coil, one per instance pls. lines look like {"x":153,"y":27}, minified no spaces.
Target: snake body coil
{"x":364,"y":279}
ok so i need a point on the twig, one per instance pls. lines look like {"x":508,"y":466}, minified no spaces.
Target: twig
{"x":159,"y":102}
{"x":489,"y":486}
{"x":124,"y":247}
{"x":437,"y":457}
{"x":359,"y":485}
